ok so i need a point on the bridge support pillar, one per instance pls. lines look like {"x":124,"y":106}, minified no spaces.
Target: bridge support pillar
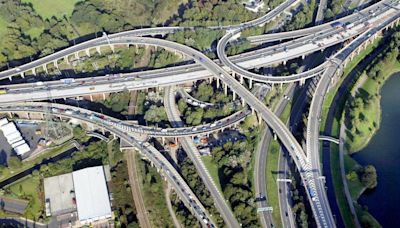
{"x":243,"y":103}
{"x":66,"y":59}
{"x":252,"y":111}
{"x":259,"y":118}
{"x":45,"y":68}
{"x":98,"y":50}
{"x":302,"y":81}
{"x":112,"y":48}
{"x":22,"y":74}
{"x":217,"y":83}
{"x":241,"y":79}
{"x":55,"y":63}
{"x":91,"y":97}
{"x":176,"y":140}
{"x":104,"y":96}
{"x":103,"y":131}
{"x":77,"y":55}
{"x":87,"y":52}
{"x":163,"y":140}
{"x":234,"y":95}
{"x":226,"y":89}
{"x":233,"y":74}
{"x":210,"y":80}
{"x":34,"y":71}
{"x":10,"y":78}
{"x":303,"y":57}
{"x":251,"y":83}
{"x":284,"y":62}
{"x":275,"y":137}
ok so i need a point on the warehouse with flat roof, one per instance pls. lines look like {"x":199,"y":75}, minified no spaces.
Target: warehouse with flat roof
{"x":91,"y":193}
{"x":83,"y":191}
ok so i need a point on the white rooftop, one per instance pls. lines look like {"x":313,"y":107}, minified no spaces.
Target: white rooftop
{"x":91,"y":193}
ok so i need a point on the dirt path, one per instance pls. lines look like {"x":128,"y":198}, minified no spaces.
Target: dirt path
{"x":177,"y":224}
{"x":136,"y":192}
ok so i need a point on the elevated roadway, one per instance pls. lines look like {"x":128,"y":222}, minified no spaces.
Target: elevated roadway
{"x":335,"y":68}
{"x":351,"y":18}
{"x":61,"y":109}
{"x":194,"y":155}
{"x":147,"y":150}
{"x":294,"y":49}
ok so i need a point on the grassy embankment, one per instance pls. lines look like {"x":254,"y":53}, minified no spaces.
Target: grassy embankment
{"x":271,"y":172}
{"x":152,"y":186}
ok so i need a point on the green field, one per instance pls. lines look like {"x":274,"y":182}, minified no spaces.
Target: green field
{"x":29,"y":188}
{"x":3,"y":27}
{"x":49,"y":8}
{"x":212,"y":168}
{"x":372,"y":113}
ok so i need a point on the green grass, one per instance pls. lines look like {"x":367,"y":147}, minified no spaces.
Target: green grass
{"x":350,"y":66}
{"x":30,"y":188}
{"x":212,"y":168}
{"x":49,"y":8}
{"x":3,"y":27}
{"x":356,"y":188}
{"x":369,"y":127}
{"x":271,"y":172}
{"x":271,"y":176}
{"x":153,"y":194}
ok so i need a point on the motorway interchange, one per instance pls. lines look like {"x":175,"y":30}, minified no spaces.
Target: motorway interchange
{"x":362,"y":27}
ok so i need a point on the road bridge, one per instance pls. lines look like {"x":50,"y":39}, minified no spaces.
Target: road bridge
{"x":194,"y":155}
{"x":335,"y":68}
{"x":329,"y":139}
{"x":148,"y":151}
{"x":61,"y":110}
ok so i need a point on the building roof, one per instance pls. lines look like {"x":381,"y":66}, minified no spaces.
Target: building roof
{"x":59,"y":192}
{"x":91,"y":193}
{"x":22,"y":149}
{"x":3,"y":121}
{"x":9,"y":128}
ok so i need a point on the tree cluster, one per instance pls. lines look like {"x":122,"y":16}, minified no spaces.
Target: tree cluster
{"x":233,"y":162}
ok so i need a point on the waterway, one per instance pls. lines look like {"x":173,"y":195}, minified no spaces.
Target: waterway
{"x":383,"y":152}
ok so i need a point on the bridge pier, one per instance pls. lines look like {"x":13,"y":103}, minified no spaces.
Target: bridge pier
{"x":66,"y":59}
{"x":91,"y":97}
{"x":302,"y":81}
{"x":22,"y":75}
{"x":10,"y":78}
{"x":112,"y":48}
{"x":226,"y":89}
{"x":251,"y":83}
{"x":98,"y":50}
{"x":234,"y":95}
{"x":243,"y":102}
{"x":33,"y":71}
{"x":77,"y":55}
{"x":45,"y":68}
{"x":87,"y":52}
{"x":217,"y":83}
{"x":210,"y":80}
{"x":55,"y":63}
{"x":241,"y":79}
{"x":104,"y":96}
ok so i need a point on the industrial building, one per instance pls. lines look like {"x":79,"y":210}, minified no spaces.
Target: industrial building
{"x":83,"y":191}
{"x":14,"y":137}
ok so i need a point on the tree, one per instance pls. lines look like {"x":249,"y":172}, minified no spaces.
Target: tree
{"x":369,"y":176}
{"x":155,"y":114}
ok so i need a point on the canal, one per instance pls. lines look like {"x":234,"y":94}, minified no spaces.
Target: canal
{"x":383,"y":152}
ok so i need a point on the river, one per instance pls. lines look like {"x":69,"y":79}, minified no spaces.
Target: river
{"x":383,"y":152}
